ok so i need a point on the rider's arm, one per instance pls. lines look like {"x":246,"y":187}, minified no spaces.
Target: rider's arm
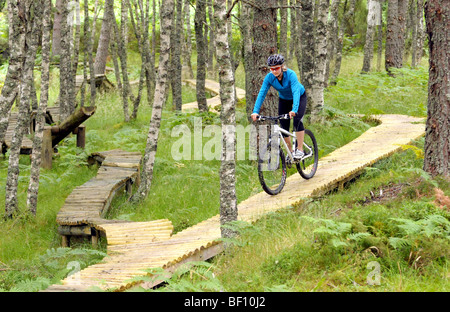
{"x":297,"y":90}
{"x":262,"y":94}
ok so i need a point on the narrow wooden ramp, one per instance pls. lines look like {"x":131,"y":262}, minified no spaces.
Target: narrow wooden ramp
{"x":129,"y":257}
{"x":213,"y":87}
{"x":27,"y":144}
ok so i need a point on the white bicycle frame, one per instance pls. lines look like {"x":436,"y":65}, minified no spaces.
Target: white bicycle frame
{"x":278,"y":131}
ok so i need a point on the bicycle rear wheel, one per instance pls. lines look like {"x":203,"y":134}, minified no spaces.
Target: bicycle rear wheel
{"x":307,"y":167}
{"x":272,"y":169}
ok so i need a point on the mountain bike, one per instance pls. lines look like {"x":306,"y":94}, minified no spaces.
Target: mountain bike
{"x":272,"y":161}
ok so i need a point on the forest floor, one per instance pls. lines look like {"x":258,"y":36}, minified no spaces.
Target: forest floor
{"x":297,"y":249}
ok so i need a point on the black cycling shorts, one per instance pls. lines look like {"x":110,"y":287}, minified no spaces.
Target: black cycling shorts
{"x":285,"y":106}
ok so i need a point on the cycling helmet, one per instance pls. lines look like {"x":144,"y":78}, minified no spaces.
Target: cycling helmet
{"x":274,"y":60}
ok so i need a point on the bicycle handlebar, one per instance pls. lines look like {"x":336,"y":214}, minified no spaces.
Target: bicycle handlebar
{"x":284,"y":116}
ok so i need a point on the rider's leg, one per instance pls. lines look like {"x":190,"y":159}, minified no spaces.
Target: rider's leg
{"x":298,"y":123}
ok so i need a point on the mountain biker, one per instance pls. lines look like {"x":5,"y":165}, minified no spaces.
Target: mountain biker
{"x":292,"y":99}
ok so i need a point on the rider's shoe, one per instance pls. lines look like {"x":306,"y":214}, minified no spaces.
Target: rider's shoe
{"x":298,"y":154}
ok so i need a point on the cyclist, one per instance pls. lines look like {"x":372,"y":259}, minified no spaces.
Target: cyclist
{"x":292,"y":99}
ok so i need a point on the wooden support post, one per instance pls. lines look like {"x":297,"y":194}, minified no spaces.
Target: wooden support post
{"x":94,"y":238}
{"x":47,"y":149}
{"x":80,"y":131}
{"x":129,"y":187}
{"x":65,"y":240}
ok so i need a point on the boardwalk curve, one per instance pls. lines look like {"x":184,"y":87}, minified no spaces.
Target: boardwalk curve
{"x":128,"y":259}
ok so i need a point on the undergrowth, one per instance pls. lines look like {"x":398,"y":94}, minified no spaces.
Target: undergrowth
{"x":324,"y":244}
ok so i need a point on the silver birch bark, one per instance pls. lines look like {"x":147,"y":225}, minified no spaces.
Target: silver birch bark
{"x":32,"y":37}
{"x":380,"y":35}
{"x":176,"y":58}
{"x":105,"y":36}
{"x":333,"y":32}
{"x":65,"y":64}
{"x":340,"y":42}
{"x":33,"y":187}
{"x":212,"y":72}
{"x":372,"y":22}
{"x":228,"y":201}
{"x":187,"y":47}
{"x":17,"y":30}
{"x":89,"y":37}
{"x":200,"y":16}
{"x":159,"y":100}
{"x":317,"y":90}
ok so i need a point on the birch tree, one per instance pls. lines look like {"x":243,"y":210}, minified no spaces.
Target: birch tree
{"x":200,"y":20}
{"x":33,"y":21}
{"x":16,"y":40}
{"x":373,"y":20}
{"x":437,"y":138}
{"x":228,"y":200}
{"x":105,"y":37}
{"x":158,"y":102}
{"x":316,"y":98}
{"x":33,"y":186}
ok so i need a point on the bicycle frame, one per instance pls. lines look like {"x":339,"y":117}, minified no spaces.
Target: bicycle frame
{"x":278,"y":131}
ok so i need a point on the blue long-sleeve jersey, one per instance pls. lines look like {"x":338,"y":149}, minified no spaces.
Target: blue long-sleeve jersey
{"x":289,"y":88}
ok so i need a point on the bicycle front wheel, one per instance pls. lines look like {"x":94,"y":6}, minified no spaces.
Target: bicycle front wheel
{"x":307,"y":167}
{"x":272,"y":169}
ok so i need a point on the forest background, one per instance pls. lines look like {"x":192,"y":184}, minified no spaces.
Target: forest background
{"x":351,"y":66}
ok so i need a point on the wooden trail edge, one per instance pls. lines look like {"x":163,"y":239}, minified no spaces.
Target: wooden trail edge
{"x":135,"y":247}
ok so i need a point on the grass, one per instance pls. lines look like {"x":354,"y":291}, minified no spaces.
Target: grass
{"x":291,"y":258}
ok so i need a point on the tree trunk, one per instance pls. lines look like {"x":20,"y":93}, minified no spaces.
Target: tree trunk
{"x":17,"y":31}
{"x":333,"y":33}
{"x":56,"y":41}
{"x":65,"y":65}
{"x":308,"y":44}
{"x":228,"y":200}
{"x":212,"y":73}
{"x":176,"y":58}
{"x":245,"y":25}
{"x":159,"y":100}
{"x":340,"y":42}
{"x":33,"y":21}
{"x":33,"y":187}
{"x":187,"y":48}
{"x":283,"y":28}
{"x":395,"y":34}
{"x":437,"y":139}
{"x":121,"y":49}
{"x":372,"y":22}
{"x":105,"y":36}
{"x":380,"y":35}
{"x":89,"y":37}
{"x":200,"y":15}
{"x":316,"y":99}
{"x":417,"y":41}
{"x":264,"y":45}
{"x":293,"y":26}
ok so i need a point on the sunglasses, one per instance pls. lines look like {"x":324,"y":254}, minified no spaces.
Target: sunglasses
{"x":275,"y":68}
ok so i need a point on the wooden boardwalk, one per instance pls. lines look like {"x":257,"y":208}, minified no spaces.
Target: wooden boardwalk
{"x":84,"y":209}
{"x":27,"y":144}
{"x":134,"y":247}
{"x":213,"y":87}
